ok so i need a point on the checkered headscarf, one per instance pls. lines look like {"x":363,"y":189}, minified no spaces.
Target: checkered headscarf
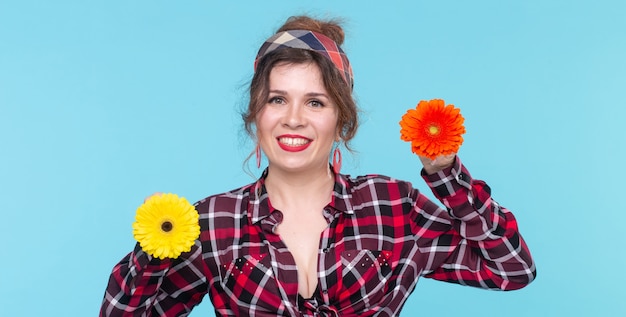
{"x":312,"y":41}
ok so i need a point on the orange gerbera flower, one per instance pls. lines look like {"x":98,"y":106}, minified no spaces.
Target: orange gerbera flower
{"x":433,"y":128}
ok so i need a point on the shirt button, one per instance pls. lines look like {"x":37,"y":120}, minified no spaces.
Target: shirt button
{"x":326,"y":250}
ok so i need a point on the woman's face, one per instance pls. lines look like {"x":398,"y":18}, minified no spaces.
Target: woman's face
{"x":298,"y":124}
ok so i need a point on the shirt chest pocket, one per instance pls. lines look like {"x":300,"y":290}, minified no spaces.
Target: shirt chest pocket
{"x":365,"y":273}
{"x":250,"y":278}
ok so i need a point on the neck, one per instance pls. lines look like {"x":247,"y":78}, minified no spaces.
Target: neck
{"x":299,"y":188}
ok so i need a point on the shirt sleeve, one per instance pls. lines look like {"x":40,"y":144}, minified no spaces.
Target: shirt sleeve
{"x":144,"y":286}
{"x":482,"y":246}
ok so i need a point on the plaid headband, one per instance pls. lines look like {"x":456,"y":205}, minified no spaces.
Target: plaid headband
{"x":312,"y":41}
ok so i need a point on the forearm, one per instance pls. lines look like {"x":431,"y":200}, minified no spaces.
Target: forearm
{"x":133,"y":284}
{"x":496,"y":252}
{"x":142,"y":286}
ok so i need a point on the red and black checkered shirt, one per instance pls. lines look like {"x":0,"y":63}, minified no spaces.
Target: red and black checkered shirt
{"x":382,"y":235}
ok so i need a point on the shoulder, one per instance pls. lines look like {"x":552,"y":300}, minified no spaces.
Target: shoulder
{"x":366,"y":186}
{"x":226,"y":201}
{"x":363,"y":181}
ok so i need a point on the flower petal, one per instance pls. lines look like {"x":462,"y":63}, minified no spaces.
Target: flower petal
{"x":418,"y":127}
{"x":147,"y":228}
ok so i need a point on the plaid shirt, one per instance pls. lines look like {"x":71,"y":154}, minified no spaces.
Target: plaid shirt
{"x":382,"y":235}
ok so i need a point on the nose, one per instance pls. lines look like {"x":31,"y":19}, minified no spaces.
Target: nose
{"x":294,"y":117}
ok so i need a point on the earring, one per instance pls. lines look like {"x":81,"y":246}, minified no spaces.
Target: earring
{"x":258,"y":156}
{"x":337,"y":160}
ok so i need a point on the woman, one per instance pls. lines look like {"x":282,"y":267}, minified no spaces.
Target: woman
{"x":305,"y":240}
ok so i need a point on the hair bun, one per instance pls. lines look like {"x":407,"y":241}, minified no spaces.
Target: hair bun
{"x":330,"y":28}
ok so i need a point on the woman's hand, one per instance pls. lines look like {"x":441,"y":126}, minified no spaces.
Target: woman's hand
{"x":439,"y":163}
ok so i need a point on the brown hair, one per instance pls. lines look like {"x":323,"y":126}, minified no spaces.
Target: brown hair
{"x":340,"y":92}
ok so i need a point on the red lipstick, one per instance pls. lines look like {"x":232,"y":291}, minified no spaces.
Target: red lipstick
{"x":293,"y":148}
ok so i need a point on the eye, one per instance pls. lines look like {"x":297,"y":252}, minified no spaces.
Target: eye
{"x":316,"y":104}
{"x":276,"y":100}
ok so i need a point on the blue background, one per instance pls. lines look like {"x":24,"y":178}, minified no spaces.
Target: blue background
{"x":105,"y":102}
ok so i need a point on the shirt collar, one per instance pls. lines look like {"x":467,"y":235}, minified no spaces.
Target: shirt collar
{"x":260,"y":207}
{"x":342,"y":195}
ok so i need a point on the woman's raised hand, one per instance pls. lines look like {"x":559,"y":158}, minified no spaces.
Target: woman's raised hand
{"x":439,"y":163}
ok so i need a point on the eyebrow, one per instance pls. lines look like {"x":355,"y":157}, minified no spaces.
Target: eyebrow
{"x":310,"y":94}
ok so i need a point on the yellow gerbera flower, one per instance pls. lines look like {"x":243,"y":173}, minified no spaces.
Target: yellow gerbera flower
{"x":166,"y":225}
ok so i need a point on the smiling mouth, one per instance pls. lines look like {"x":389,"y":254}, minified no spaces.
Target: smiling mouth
{"x":293,"y":141}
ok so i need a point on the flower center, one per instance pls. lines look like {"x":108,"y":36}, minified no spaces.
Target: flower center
{"x":167,"y":226}
{"x":433,"y":129}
